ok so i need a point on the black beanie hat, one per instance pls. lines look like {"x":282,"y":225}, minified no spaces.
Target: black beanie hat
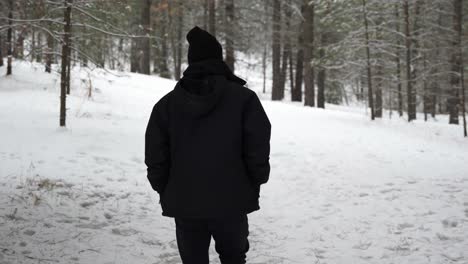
{"x":203,"y":46}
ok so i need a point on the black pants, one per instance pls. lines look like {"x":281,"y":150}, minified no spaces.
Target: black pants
{"x":230,"y":236}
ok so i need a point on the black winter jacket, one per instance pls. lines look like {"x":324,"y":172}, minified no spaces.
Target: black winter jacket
{"x":207,"y":145}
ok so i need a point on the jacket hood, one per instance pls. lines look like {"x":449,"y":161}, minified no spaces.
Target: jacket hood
{"x":202,"y":87}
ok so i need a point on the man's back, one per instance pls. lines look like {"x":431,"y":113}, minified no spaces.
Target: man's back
{"x":212,"y":138}
{"x":207,"y":151}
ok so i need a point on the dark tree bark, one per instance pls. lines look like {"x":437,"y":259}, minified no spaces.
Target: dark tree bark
{"x":378,"y":111}
{"x":411,"y":94}
{"x":265,"y":44}
{"x":48,"y":57}
{"x":212,"y":17}
{"x":178,"y":69}
{"x":205,"y":14}
{"x":163,"y":61}
{"x":426,"y":95}
{"x":10,"y":39}
{"x":33,"y":45}
{"x":146,"y":41}
{"x":369,"y":71}
{"x":286,"y":48}
{"x":229,"y":27}
{"x":64,"y":77}
{"x":296,"y":93}
{"x":462,"y":68}
{"x":291,"y":69}
{"x":276,"y":51}
{"x":38,"y":52}
{"x":309,"y":76}
{"x":18,"y":50}
{"x":134,"y":56}
{"x":322,"y":73}
{"x":455,"y":61}
{"x":398,"y":62}
{"x":1,"y":50}
{"x":69,"y":63}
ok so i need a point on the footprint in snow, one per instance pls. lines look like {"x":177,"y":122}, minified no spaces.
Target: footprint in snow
{"x":123,"y":231}
{"x":88,"y":204}
{"x":29,"y":232}
{"x":390,"y":190}
{"x":93,"y":225}
{"x":108,"y":216}
{"x":404,"y":226}
{"x":449,"y":223}
{"x":453,"y":256}
{"x":362,"y":245}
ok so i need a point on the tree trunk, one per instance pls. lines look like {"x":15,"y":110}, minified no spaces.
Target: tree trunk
{"x":64,"y":77}
{"x":455,"y":61}
{"x":1,"y":50}
{"x":39,"y":51}
{"x":163,"y":64}
{"x":212,"y":17}
{"x":10,"y":39}
{"x":309,"y":78}
{"x":378,"y":111}
{"x":205,"y":14}
{"x":296,"y":93}
{"x":286,"y":48}
{"x":370,"y":93}
{"x":276,"y":51}
{"x":134,"y":58}
{"x":178,"y":70}
{"x":398,"y":61}
{"x":264,"y":66}
{"x":69,"y":64}
{"x":229,"y":26}
{"x":50,"y":47}
{"x":33,"y":45}
{"x":321,"y":75}
{"x":411,"y":94}
{"x":146,"y":41}
{"x":291,"y":69}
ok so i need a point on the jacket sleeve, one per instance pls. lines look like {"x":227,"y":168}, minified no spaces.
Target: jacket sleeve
{"x":157,"y":156}
{"x":256,"y":141}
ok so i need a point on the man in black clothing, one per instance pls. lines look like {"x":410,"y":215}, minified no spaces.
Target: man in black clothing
{"x":207,"y":151}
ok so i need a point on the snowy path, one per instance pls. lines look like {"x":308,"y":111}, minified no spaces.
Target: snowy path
{"x":342,"y":189}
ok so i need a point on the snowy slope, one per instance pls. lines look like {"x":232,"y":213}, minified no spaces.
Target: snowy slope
{"x":342,"y":189}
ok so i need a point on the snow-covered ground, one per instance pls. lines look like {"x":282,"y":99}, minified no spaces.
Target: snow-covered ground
{"x":343,"y":189}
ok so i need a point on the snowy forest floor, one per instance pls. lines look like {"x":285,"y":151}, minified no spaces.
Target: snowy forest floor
{"x":342,"y":189}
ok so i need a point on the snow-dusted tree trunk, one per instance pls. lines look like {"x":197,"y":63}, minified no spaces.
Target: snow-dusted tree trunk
{"x":368,"y":61}
{"x":229,"y":28}
{"x":456,"y":63}
{"x":398,"y":60}
{"x":64,"y":76}
{"x":180,"y":26}
{"x":146,"y":41}
{"x":296,"y":93}
{"x":309,"y":76}
{"x":286,"y":46}
{"x":411,"y":94}
{"x":276,"y":93}
{"x":10,"y":38}
{"x":212,"y":17}
{"x":49,"y":53}
{"x":1,"y":51}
